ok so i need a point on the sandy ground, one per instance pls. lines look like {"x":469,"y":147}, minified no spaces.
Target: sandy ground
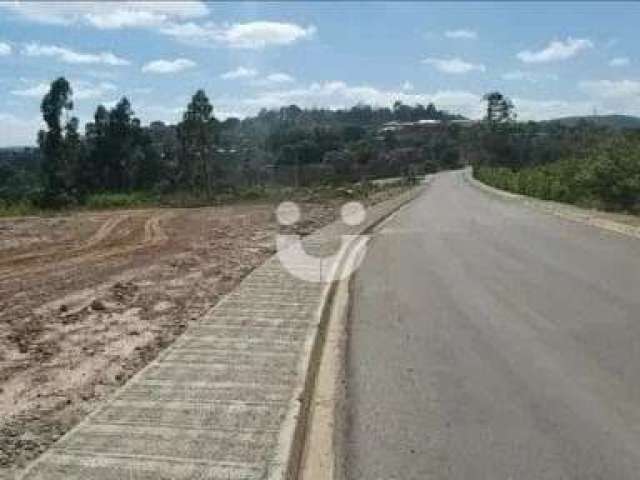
{"x":86,"y":300}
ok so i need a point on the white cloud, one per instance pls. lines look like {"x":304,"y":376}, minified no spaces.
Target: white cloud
{"x":612,"y":89}
{"x":251,"y":35}
{"x":70,"y":56}
{"x":193,"y":33}
{"x":5,"y":49}
{"x":279,"y":78}
{"x":533,"y":77}
{"x":256,"y":35}
{"x":175,"y":19}
{"x":461,"y":33}
{"x":453,"y":65}
{"x":556,"y":50}
{"x":108,"y":14}
{"x":240,"y":72}
{"x":619,"y":62}
{"x":82,"y":90}
{"x":168,"y":66}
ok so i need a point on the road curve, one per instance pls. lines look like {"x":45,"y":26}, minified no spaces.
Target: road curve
{"x":491,"y":341}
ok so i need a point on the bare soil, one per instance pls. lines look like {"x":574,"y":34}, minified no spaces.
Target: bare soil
{"x":86,"y":300}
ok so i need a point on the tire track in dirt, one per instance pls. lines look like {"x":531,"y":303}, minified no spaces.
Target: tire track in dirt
{"x":104,"y":231}
{"x":99,"y":236}
{"x":153,"y":235}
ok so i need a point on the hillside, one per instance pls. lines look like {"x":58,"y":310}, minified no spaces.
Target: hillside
{"x":612,"y":121}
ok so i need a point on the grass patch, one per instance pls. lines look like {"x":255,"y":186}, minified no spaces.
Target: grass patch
{"x":100,"y":201}
{"x":273,"y":194}
{"x":18,"y":209}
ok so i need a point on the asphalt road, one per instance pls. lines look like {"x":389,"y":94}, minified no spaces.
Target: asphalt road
{"x":491,"y":341}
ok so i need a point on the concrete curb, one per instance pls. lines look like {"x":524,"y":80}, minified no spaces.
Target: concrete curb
{"x":228,"y":399}
{"x":564,"y":211}
{"x":315,"y":356}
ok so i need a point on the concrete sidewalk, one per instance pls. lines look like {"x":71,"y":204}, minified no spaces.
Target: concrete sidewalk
{"x":226,"y":400}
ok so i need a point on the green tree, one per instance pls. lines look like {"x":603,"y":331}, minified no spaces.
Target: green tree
{"x":59,"y":144}
{"x":614,"y":174}
{"x":96,"y":172}
{"x":120,"y":146}
{"x":500,"y":109}
{"x":198,"y":137}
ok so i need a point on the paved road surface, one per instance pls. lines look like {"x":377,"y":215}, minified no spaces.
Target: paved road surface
{"x":489,"y":341}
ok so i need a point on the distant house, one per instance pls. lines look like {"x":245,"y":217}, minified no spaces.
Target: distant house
{"x":425,"y":125}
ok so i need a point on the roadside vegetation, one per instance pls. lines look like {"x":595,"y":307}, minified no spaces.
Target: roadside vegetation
{"x":119,"y":163}
{"x":581,"y":163}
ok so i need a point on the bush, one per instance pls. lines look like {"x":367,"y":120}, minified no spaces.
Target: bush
{"x":17,"y":209}
{"x":609,"y":177}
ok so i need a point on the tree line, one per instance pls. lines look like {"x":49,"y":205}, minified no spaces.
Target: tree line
{"x":204,"y":156}
{"x":116,"y":154}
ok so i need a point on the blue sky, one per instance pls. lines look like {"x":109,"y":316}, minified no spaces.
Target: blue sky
{"x":552,"y":59}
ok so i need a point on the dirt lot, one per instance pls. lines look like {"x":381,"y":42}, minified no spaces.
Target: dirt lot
{"x":86,"y":300}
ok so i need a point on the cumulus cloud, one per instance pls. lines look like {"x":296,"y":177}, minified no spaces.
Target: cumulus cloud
{"x":461,"y":33}
{"x":67,"y":55}
{"x":240,"y":72}
{"x":252,"y":35}
{"x":184,"y":21}
{"x":556,"y":50}
{"x":108,"y":14}
{"x":82,"y":90}
{"x":5,"y":49}
{"x":279,"y":78}
{"x":619,"y":62}
{"x":168,"y":66}
{"x":453,"y":65}
{"x":256,"y":35}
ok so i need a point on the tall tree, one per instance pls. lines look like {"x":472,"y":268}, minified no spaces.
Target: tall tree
{"x":500,"y":109}
{"x":59,"y":143}
{"x":96,"y":135}
{"x":120,"y":144}
{"x":198,"y":136}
